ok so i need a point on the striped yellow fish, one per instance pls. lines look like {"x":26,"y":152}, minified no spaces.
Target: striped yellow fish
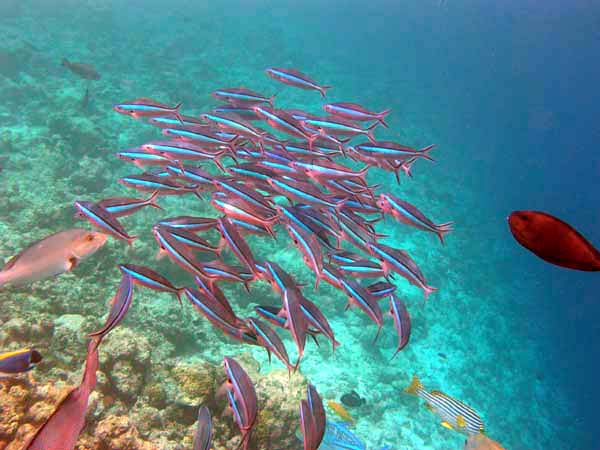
{"x":455,"y":414}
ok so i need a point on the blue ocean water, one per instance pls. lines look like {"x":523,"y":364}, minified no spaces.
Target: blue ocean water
{"x":507,"y":90}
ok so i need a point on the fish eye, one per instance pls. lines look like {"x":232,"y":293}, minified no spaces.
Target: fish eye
{"x":89,"y":237}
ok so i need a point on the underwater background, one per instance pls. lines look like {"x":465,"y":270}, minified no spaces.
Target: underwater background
{"x":508,"y":90}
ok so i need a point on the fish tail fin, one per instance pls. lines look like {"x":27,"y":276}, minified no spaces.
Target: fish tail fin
{"x":428,"y":290}
{"x":370,"y":129}
{"x":152,"y":200}
{"x":424,"y":152}
{"x":130,"y":240}
{"x":271,"y":98}
{"x":177,"y":113}
{"x":442,"y":229}
{"x":414,"y":386}
{"x":178,"y":293}
{"x":323,"y":90}
{"x":381,"y":117}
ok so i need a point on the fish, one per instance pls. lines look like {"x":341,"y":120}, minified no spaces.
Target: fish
{"x":268,"y":338}
{"x":61,"y":429}
{"x":312,"y":419}
{"x":409,"y":214}
{"x":310,"y":249}
{"x":554,"y":240}
{"x":147,"y":277}
{"x":124,"y":206}
{"x":190,"y":223}
{"x":317,"y":414}
{"x":165,"y":185}
{"x":381,"y":289}
{"x":389,"y":150}
{"x":455,"y":414}
{"x":295,"y":78}
{"x":18,"y":361}
{"x":51,"y":256}
{"x":283,"y":122}
{"x":340,"y":411}
{"x":352,"y":399}
{"x":85,"y":71}
{"x":481,"y":442}
{"x":295,"y":319}
{"x":219,"y":315}
{"x":238,"y":245}
{"x":242,"y":398}
{"x":119,"y":305}
{"x":104,"y":220}
{"x":148,"y":107}
{"x":402,"y":322}
{"x":176,"y":250}
{"x":336,"y":127}
{"x":400,"y":262}
{"x":142,"y":158}
{"x":241,"y":96}
{"x":192,"y":240}
{"x":353,"y":111}
{"x":361,"y":297}
{"x":203,"y":434}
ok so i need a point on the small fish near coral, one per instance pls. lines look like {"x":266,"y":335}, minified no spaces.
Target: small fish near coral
{"x":455,"y":414}
{"x":553,"y":240}
{"x":19,"y":361}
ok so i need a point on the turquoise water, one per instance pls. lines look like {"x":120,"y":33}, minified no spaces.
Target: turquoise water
{"x":507,"y":91}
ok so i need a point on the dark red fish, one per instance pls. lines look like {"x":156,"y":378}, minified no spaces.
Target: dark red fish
{"x":61,"y":430}
{"x":553,"y":240}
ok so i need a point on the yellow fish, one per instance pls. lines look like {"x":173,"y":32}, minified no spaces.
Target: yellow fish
{"x":455,"y":414}
{"x":340,"y":411}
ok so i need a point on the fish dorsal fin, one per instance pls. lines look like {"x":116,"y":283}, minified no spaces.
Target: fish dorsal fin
{"x":447,"y":425}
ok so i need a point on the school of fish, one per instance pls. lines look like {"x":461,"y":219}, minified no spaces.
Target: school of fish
{"x":292,"y":176}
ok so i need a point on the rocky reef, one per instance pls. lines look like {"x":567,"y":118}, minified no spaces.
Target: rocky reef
{"x":143,"y":401}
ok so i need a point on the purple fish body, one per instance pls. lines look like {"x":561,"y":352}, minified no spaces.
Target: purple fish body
{"x":120,"y":304}
{"x":295,"y":319}
{"x":295,"y":78}
{"x":409,"y":214}
{"x":400,"y":262}
{"x":203,"y":434}
{"x":312,"y":419}
{"x":242,"y":398}
{"x":124,"y":206}
{"x":241,"y":96}
{"x":402,"y":322}
{"x":147,"y":277}
{"x":190,"y":223}
{"x":147,"y":107}
{"x":61,"y":430}
{"x":268,"y":338}
{"x":352,"y":111}
{"x":236,"y":243}
{"x":362,"y":298}
{"x":105,"y":221}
